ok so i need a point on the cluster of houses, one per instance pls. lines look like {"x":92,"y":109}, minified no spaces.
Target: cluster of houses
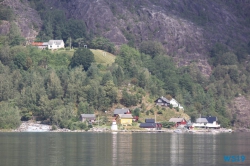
{"x":204,"y":122}
{"x":51,"y":44}
{"x":162,"y":101}
{"x":123,"y":116}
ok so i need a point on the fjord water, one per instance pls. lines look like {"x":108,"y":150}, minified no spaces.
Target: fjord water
{"x":113,"y":149}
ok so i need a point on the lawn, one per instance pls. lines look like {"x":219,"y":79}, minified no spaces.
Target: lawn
{"x":103,"y":57}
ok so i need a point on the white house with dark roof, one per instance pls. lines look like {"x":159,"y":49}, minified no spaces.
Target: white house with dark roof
{"x":162,"y":101}
{"x":208,"y":122}
{"x":55,"y":44}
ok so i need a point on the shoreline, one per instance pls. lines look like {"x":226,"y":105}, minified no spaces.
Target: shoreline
{"x":38,"y":127}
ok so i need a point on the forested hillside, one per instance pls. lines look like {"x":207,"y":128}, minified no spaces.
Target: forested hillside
{"x":57,"y":86}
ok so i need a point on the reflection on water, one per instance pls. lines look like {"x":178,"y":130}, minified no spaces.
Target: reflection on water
{"x":106,"y":149}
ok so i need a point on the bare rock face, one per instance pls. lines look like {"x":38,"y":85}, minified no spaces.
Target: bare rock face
{"x":187,"y":28}
{"x":4,"y":27}
{"x":26,"y":18}
{"x":241,"y":112}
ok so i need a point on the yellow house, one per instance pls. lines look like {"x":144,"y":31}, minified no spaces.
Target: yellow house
{"x":124,"y":119}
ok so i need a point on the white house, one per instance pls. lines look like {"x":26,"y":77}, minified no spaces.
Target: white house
{"x":208,"y":122}
{"x":200,"y":123}
{"x":55,"y":44}
{"x":175,"y":104}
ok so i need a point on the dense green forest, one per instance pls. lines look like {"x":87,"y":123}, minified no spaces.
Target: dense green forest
{"x":56,"y":87}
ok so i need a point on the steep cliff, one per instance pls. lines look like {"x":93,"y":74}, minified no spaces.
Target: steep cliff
{"x":187,"y":29}
{"x":26,"y":18}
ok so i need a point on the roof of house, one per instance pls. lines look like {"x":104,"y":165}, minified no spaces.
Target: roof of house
{"x":125,"y":116}
{"x":88,"y":115}
{"x":176,"y":120}
{"x":201,"y":120}
{"x":147,"y":125}
{"x":56,"y":42}
{"x":121,"y":111}
{"x":211,"y":119}
{"x":163,"y":99}
{"x":149,"y":120}
{"x":37,"y":43}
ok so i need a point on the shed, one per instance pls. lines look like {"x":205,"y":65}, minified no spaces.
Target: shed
{"x":121,"y":111}
{"x":88,"y":117}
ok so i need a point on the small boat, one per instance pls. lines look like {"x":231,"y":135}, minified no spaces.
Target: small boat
{"x":178,"y":131}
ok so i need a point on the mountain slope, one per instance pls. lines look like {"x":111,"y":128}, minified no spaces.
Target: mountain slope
{"x":187,"y":29}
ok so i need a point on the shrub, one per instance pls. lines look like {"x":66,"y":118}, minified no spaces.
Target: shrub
{"x":159,"y":112}
{"x":167,"y":124}
{"x":54,"y":127}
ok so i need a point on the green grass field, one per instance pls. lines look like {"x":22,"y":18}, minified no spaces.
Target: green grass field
{"x":101,"y":57}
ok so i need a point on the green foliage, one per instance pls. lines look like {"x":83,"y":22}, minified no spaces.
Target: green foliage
{"x":83,"y":57}
{"x":6,"y":13}
{"x":14,"y":35}
{"x":129,"y":99}
{"x":103,"y":44}
{"x":151,"y":48}
{"x":167,"y":124}
{"x":57,"y":26}
{"x":159,"y":112}
{"x":9,"y":116}
{"x":136,"y":112}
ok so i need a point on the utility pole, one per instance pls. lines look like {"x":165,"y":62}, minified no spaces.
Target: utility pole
{"x":70,"y":43}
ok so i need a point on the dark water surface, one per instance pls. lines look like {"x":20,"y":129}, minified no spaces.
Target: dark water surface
{"x":109,"y":149}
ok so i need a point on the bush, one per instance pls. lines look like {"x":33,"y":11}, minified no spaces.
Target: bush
{"x":147,"y":113}
{"x":167,"y":124}
{"x":9,"y":116}
{"x":152,"y":111}
{"x":54,"y":127}
{"x":159,"y":112}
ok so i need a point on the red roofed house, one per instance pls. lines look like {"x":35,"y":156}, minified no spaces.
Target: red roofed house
{"x":178,"y":121}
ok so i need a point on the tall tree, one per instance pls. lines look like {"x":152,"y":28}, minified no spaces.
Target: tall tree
{"x":83,"y":57}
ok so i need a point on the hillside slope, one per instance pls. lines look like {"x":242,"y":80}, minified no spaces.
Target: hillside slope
{"x":187,"y":29}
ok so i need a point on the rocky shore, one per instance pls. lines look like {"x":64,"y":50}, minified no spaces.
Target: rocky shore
{"x":32,"y":126}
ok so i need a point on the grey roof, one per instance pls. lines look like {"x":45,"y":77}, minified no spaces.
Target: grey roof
{"x":147,"y":125}
{"x":121,"y":111}
{"x":126,"y":116}
{"x":176,"y":120}
{"x":149,"y":120}
{"x":88,"y":115}
{"x":201,"y":120}
{"x":163,"y":99}
{"x":56,"y":42}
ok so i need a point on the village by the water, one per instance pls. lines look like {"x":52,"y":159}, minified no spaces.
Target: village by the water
{"x":123,"y":121}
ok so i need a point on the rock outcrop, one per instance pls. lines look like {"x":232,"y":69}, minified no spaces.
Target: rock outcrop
{"x":241,"y":112}
{"x":26,"y":18}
